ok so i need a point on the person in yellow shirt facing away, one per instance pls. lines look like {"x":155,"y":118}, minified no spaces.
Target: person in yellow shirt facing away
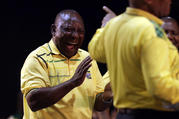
{"x":170,"y":27}
{"x":61,"y":81}
{"x":141,"y":61}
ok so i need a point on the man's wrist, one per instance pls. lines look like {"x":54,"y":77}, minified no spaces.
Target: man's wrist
{"x":109,"y":101}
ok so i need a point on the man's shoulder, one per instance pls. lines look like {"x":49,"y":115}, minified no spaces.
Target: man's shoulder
{"x":158,"y":30}
{"x":146,"y":25}
{"x":40,"y":51}
{"x":83,"y":52}
{"x":141,"y":21}
{"x":134,"y":22}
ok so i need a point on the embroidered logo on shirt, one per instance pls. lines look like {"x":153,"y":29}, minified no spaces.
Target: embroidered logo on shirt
{"x":88,"y":75}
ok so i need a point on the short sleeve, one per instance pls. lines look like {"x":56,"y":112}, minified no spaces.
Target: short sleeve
{"x":33,"y":75}
{"x":96,"y":46}
{"x":100,"y":82}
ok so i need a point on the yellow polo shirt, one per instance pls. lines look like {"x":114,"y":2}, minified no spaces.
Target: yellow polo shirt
{"x":142,"y":62}
{"x":47,"y":67}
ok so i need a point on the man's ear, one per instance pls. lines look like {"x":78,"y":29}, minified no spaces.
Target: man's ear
{"x":53,"y":29}
{"x":148,"y":1}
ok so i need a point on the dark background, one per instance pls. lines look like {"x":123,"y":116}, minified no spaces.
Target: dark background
{"x":25,"y":25}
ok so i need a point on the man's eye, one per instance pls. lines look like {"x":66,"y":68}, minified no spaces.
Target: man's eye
{"x":81,"y":31}
{"x":67,"y":30}
{"x":174,"y":33}
{"x":166,"y":31}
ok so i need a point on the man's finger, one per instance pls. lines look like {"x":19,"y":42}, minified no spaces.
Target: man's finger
{"x":106,"y":9}
{"x":86,"y":61}
{"x":88,"y":58}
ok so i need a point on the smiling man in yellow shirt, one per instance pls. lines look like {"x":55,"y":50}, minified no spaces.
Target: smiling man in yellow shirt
{"x":61,"y":81}
{"x":141,"y":60}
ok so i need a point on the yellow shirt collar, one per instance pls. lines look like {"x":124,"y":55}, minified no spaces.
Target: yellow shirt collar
{"x":139,"y":12}
{"x":53,"y":47}
{"x":55,"y":50}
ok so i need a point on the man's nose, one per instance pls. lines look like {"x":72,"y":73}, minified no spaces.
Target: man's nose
{"x":170,"y":36}
{"x":75,"y":35}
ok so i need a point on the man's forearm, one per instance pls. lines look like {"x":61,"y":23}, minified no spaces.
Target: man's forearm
{"x":44,"y":97}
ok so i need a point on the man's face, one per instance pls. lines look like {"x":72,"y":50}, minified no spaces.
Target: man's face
{"x":160,"y":8}
{"x":69,"y":34}
{"x":172,"y":30}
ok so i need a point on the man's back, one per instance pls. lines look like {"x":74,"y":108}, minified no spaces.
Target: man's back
{"x":127,"y":40}
{"x":127,"y":50}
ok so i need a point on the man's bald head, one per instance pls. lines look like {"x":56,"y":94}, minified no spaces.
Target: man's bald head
{"x":68,"y":15}
{"x":169,"y":19}
{"x":159,"y":8}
